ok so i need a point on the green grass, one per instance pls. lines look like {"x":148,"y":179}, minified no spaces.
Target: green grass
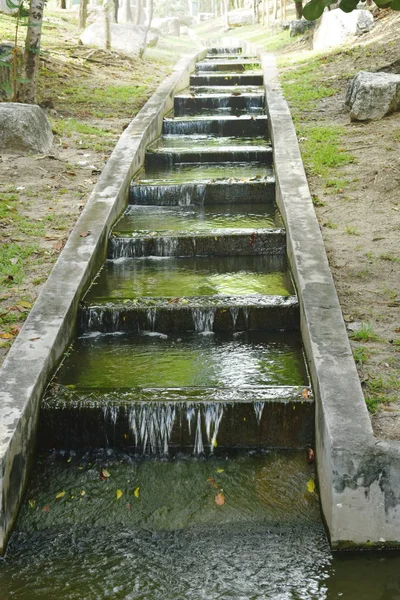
{"x":350,"y":230}
{"x":321,"y":148}
{"x":389,"y":257}
{"x":364,"y":334}
{"x":361,"y":354}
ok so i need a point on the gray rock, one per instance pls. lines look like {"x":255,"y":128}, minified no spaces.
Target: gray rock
{"x":240,"y":18}
{"x":299,"y":27}
{"x":280,"y":24}
{"x":336,"y":27}
{"x":125,"y":37}
{"x":167,"y":26}
{"x":24,"y":127}
{"x":371,"y":96}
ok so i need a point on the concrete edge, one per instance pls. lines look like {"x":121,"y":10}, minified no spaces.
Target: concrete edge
{"x":359,"y":476}
{"x":51,"y":323}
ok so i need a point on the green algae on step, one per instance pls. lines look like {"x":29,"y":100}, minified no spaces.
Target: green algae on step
{"x":206,"y":173}
{"x":185,"y":277}
{"x":195,"y":218}
{"x":185,"y":359}
{"x":201,"y":142}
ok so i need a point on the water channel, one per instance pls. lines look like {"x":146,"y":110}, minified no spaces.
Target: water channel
{"x":173,"y":438}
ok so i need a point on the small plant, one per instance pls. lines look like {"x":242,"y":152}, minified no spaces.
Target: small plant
{"x":364,"y":334}
{"x":317,"y":201}
{"x":330,"y":224}
{"x":389,"y":257}
{"x":351,"y":230}
{"x":361,"y":354}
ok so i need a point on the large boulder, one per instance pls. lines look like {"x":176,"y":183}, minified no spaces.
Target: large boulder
{"x":24,"y":127}
{"x":371,"y":96}
{"x":299,"y":27}
{"x":125,"y":37}
{"x":167,"y":26}
{"x":240,"y":18}
{"x":336,"y":27}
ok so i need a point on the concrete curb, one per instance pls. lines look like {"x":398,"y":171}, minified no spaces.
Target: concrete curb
{"x":359,"y":476}
{"x":51,"y":324}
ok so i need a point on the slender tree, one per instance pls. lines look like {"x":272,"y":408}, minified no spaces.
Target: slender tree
{"x":32,"y":51}
{"x":83,"y":13}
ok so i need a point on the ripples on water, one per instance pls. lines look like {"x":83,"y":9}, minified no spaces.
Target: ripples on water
{"x":266,"y":542}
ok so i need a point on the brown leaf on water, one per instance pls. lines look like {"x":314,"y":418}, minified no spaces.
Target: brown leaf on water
{"x":212,"y":482}
{"x":219,"y":499}
{"x":310,"y":455}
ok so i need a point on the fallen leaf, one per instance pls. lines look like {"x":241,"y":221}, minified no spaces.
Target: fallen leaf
{"x":24,"y":303}
{"x":83,"y":493}
{"x":58,"y":245}
{"x":212,"y":482}
{"x":136,"y":492}
{"x":311,"y":486}
{"x":104,"y":474}
{"x":13,"y":261}
{"x":128,"y":505}
{"x":220,"y":470}
{"x":214,"y":442}
{"x":60,"y":495}
{"x":305,"y":393}
{"x":84,"y":234}
{"x":46,"y":508}
{"x":219,"y":499}
{"x":32,"y":503}
{"x":6,"y":336}
{"x":119,"y":494}
{"x":310,"y":455}
{"x":34,"y":339}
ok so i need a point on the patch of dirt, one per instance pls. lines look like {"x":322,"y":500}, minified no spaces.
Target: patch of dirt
{"x":360,"y":222}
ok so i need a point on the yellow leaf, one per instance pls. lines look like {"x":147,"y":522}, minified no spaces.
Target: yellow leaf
{"x":24,"y":304}
{"x":220,"y":470}
{"x":214,"y":442}
{"x":311,"y":486}
{"x":119,"y":494}
{"x":32,"y":503}
{"x":60,"y":495}
{"x":83,"y":493}
{"x":6,"y":336}
{"x":136,"y":492}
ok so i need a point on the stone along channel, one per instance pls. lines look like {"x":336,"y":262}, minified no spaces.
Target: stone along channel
{"x":173,"y":436}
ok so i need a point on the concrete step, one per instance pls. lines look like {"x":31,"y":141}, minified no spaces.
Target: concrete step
{"x":217,"y":242}
{"x":208,"y":183}
{"x":187,"y":103}
{"x":204,"y":78}
{"x":225,"y":126}
{"x":197,"y":420}
{"x":225,"y":65}
{"x":191,"y":314}
{"x":207,"y":149}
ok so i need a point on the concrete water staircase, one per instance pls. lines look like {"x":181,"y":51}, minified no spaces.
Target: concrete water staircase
{"x":200,"y":348}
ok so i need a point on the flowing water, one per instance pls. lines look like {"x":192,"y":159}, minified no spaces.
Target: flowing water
{"x":174,"y":462}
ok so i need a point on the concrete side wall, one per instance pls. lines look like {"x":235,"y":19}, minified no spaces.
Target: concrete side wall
{"x":359,"y":477}
{"x":52,"y":322}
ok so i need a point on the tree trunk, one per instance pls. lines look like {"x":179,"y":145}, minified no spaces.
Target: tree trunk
{"x":63,"y":4}
{"x":124,"y":13}
{"x":275,"y":10}
{"x":83,"y":14}
{"x":263,"y":13}
{"x":299,"y":9}
{"x":32,"y":51}
{"x":267,"y":8}
{"x":138,"y":11}
{"x":284,"y":9}
{"x":116,"y":6}
{"x":107,"y":25}
{"x":224,"y":10}
{"x":151,"y":12}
